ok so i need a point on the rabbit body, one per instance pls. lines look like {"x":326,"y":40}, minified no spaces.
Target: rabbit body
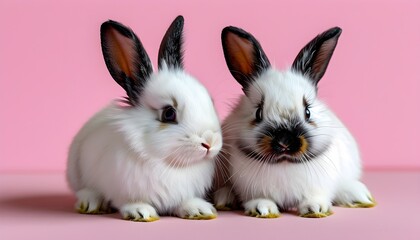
{"x":290,"y":184}
{"x":111,"y":154}
{"x":283,"y":148}
{"x":155,"y":156}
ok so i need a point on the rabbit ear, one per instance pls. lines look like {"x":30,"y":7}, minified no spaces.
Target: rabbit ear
{"x":125,"y":58}
{"x":244,"y":55}
{"x":313,"y":59}
{"x":170,"y":50}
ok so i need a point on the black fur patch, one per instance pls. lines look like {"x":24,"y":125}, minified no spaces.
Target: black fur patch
{"x":170,"y":49}
{"x":289,"y":135}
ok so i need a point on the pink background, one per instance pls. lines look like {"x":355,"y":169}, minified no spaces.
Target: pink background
{"x":53,"y":77}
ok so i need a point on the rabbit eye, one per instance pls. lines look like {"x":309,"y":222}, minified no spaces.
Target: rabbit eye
{"x":259,"y":115}
{"x":168,"y":115}
{"x":307,"y":114}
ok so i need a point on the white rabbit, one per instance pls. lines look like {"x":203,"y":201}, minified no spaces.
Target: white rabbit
{"x":156,"y":155}
{"x":283,"y":148}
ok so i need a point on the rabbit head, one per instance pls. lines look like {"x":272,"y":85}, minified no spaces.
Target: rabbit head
{"x":280,"y":117}
{"x":171,"y":115}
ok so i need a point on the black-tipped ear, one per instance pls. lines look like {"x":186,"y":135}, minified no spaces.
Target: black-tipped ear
{"x":313,"y":59}
{"x":244,"y":55}
{"x":125,"y":58}
{"x":170,"y":50}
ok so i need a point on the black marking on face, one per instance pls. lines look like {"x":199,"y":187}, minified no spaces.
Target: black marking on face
{"x":278,"y":143}
{"x":286,"y":142}
{"x":285,"y":138}
{"x":253,"y":154}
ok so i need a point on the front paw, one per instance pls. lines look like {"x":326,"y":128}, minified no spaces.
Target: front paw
{"x":315,"y":208}
{"x":139,"y":212}
{"x":196,"y":209}
{"x":261,"y":208}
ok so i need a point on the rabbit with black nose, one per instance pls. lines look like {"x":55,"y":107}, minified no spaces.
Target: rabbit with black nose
{"x":283,"y":148}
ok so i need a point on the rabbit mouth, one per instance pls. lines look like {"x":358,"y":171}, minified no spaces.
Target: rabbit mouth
{"x":270,"y":155}
{"x":190,"y":155}
{"x":286,"y":158}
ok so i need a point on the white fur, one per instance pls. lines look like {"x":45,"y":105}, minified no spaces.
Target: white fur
{"x":196,"y":207}
{"x":139,"y":212}
{"x":262,"y":208}
{"x":128,"y":157}
{"x":310,"y":187}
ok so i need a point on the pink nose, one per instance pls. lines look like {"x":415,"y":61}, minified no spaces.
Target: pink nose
{"x":284,"y":147}
{"x":205,"y":145}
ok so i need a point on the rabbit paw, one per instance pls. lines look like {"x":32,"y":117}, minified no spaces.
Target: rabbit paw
{"x":315,"y":208}
{"x":354,"y":195}
{"x":196,"y":209}
{"x":223,"y":199}
{"x":139,"y":212}
{"x":261,"y":208}
{"x":90,"y":202}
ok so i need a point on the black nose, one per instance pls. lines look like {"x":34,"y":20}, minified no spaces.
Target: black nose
{"x":286,"y":142}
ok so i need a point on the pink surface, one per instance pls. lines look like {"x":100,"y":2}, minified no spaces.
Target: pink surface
{"x":53,"y":77}
{"x":40,"y":207}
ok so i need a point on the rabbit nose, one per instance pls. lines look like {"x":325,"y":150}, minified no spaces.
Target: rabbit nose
{"x":206,"y":146}
{"x":286,"y":142}
{"x":208,"y":139}
{"x":283,"y":147}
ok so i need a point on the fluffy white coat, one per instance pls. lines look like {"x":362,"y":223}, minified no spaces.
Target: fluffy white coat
{"x":312,"y":186}
{"x":125,"y":156}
